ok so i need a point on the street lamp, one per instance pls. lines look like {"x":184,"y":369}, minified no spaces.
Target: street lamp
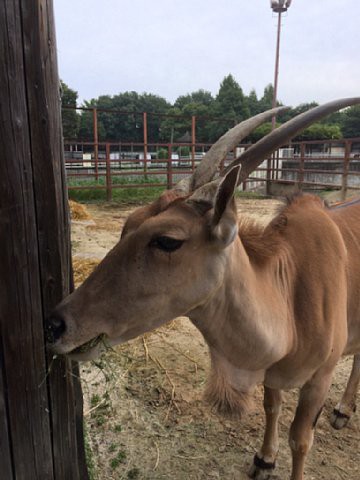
{"x":279,"y":7}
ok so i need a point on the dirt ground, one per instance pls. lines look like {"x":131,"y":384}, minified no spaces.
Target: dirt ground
{"x":144,"y":414}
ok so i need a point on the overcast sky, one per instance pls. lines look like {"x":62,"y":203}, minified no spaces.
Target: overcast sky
{"x":172,"y":47}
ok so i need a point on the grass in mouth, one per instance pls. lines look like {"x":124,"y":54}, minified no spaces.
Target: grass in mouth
{"x":92,"y":344}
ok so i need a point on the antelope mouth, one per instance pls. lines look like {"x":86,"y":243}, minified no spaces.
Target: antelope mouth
{"x":97,"y":344}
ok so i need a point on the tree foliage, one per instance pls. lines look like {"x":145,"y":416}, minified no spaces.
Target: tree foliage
{"x":261,"y":131}
{"x":253,"y":103}
{"x":70,"y":118}
{"x":318,"y":131}
{"x":124,"y":123}
{"x":122,"y":119}
{"x":201,"y":97}
{"x":266,"y":101}
{"x":350,"y":122}
{"x":293,"y":112}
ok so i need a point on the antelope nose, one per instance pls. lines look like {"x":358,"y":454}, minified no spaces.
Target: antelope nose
{"x":54,"y":328}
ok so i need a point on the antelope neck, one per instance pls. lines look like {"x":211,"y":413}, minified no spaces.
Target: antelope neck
{"x":246,"y":320}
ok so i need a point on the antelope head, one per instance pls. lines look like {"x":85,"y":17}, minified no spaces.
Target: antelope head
{"x":173,"y":254}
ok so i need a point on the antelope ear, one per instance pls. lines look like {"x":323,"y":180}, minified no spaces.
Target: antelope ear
{"x":224,"y":223}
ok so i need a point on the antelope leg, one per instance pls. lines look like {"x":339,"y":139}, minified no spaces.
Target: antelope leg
{"x":264,"y":460}
{"x":311,"y":401}
{"x":347,"y":406}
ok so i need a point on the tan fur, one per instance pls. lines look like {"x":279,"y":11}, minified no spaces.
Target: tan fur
{"x":261,"y":243}
{"x":272,"y":303}
{"x":225,"y":399}
{"x":277,"y":305}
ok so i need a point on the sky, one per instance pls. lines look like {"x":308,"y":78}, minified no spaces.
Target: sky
{"x":171,"y":47}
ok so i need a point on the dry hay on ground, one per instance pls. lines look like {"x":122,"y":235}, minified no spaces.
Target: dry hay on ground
{"x":78,"y":211}
{"x":147,"y":420}
{"x":82,"y":268}
{"x":145,"y":417}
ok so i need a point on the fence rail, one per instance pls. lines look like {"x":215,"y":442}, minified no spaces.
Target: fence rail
{"x":300,"y":165}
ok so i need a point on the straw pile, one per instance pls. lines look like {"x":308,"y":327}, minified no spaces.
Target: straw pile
{"x":78,"y":211}
{"x":82,"y":269}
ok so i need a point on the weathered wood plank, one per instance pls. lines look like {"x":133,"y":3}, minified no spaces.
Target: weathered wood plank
{"x":40,"y":407}
{"x":50,"y":197}
{"x":5,"y":454}
{"x":21,"y":310}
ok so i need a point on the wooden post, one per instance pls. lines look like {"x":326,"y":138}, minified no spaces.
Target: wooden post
{"x":40,"y":399}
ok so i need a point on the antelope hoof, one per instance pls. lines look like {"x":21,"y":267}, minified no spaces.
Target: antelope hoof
{"x":339,"y":419}
{"x":261,"y":470}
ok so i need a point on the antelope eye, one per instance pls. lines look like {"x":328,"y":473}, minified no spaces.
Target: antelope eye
{"x":167,"y":244}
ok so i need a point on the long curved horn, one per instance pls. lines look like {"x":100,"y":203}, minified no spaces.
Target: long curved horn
{"x":252,"y":157}
{"x":261,"y":150}
{"x":211,"y":161}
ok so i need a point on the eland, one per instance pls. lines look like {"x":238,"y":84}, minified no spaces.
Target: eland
{"x":277,"y":305}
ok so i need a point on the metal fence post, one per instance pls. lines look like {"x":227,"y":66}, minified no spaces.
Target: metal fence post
{"x":269,"y":164}
{"x":108,"y":174}
{"x":145,"y":141}
{"x":193,"y":141}
{"x":96,"y":143}
{"x":345,"y":169}
{"x":169,"y":168}
{"x":275,"y":173}
{"x":301,"y":166}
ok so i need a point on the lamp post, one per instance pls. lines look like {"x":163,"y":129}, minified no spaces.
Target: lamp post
{"x":279,"y":7}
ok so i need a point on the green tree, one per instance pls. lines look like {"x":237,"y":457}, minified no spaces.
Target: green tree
{"x":202,"y":97}
{"x":126,"y":126}
{"x":197,"y":103}
{"x":333,"y":119}
{"x":266,"y":101}
{"x":230,"y":105}
{"x":86,"y":124}
{"x":70,"y":118}
{"x":107,"y":121}
{"x":174,"y":126}
{"x":350,"y":122}
{"x":319,"y":131}
{"x":129,"y":127}
{"x":155,"y":106}
{"x":201,"y":113}
{"x":253,"y":103}
{"x":260,"y":132}
{"x":231,"y":100}
{"x":126,"y":123}
{"x":293,"y":112}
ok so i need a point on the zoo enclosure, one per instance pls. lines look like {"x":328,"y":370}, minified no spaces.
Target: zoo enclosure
{"x":330,"y":164}
{"x":334,"y":164}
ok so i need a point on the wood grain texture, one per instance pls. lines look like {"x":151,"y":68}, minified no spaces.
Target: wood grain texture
{"x":39,"y":408}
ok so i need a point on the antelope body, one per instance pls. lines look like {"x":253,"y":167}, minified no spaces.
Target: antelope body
{"x":277,"y":305}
